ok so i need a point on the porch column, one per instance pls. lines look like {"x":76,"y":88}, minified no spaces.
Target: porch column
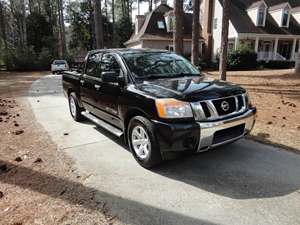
{"x":293,"y":50}
{"x":275,"y":49}
{"x":256,"y":44}
{"x":236,"y":43}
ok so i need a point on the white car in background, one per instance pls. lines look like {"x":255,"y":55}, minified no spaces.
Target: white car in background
{"x":59,"y":66}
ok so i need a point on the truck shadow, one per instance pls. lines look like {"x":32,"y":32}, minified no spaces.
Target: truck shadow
{"x":242,"y":170}
{"x":67,"y":190}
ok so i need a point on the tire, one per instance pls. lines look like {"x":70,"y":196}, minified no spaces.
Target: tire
{"x":148,"y":153}
{"x":75,"y":109}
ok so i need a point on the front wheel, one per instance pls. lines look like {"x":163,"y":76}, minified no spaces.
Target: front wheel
{"x":74,"y":107}
{"x":143,"y":143}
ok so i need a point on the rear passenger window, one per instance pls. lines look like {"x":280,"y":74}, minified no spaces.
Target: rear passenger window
{"x":109,"y":63}
{"x":91,"y":66}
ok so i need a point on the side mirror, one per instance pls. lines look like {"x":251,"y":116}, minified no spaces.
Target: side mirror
{"x":112,"y":77}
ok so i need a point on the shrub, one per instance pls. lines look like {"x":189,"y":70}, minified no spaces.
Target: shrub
{"x":276,"y":64}
{"x":243,"y":58}
{"x":21,"y":59}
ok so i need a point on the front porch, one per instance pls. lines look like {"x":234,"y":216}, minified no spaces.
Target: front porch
{"x":269,"y":48}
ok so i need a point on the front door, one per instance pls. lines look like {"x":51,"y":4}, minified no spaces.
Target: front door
{"x":268,"y":50}
{"x":108,"y":95}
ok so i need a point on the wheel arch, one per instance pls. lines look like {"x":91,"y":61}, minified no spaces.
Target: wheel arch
{"x":133,"y":112}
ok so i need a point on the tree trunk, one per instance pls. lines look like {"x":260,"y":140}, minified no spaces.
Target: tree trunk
{"x":98,"y":24}
{"x":24,"y":29}
{"x":62,"y":29}
{"x":113,"y":22}
{"x":178,"y":34}
{"x":297,"y":66}
{"x":150,"y":5}
{"x":195,"y":33}
{"x":2,"y":26}
{"x":224,"y":40}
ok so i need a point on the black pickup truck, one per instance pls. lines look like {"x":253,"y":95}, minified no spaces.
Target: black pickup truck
{"x":158,"y":101}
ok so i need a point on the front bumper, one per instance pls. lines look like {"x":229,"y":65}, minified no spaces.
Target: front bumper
{"x":201,"y":136}
{"x":208,"y":130}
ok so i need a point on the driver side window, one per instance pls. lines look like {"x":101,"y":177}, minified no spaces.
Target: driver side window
{"x":109,"y":63}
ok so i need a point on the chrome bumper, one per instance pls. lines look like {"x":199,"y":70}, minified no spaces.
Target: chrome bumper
{"x":208,"y":129}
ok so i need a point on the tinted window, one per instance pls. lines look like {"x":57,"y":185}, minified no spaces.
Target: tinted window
{"x":109,"y":63}
{"x":91,"y":66}
{"x":159,"y":63}
{"x":59,"y":62}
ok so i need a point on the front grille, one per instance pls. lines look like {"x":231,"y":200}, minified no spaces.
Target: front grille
{"x":221,"y":103}
{"x":213,"y":109}
{"x":228,"y":134}
{"x":205,"y":109}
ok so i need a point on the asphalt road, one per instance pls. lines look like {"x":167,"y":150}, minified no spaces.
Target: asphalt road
{"x":242,"y":183}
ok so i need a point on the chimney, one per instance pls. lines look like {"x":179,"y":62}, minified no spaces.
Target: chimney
{"x":139,"y":21}
{"x":163,"y":2}
{"x":207,"y":28}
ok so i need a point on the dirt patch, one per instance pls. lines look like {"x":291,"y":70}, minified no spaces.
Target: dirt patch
{"x":38,"y":184}
{"x":276,"y":94}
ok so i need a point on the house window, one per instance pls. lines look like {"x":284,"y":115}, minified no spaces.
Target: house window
{"x":215,"y":23}
{"x":261,"y":16}
{"x":160,"y":24}
{"x":285,"y":18}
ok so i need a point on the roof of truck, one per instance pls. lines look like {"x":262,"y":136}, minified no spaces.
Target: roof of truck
{"x":127,"y":50}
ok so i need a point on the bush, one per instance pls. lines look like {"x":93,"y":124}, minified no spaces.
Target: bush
{"x":27,"y":60}
{"x":243,"y":58}
{"x":276,"y":64}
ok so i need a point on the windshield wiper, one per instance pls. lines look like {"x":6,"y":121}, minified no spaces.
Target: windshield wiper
{"x":187,"y":74}
{"x":152,"y":76}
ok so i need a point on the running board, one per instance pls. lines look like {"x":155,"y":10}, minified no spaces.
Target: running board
{"x":103,"y":124}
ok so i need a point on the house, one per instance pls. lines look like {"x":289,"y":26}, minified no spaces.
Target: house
{"x":155,"y":30}
{"x":270,"y":27}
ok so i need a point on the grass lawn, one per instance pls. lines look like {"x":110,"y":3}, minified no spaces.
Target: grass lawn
{"x":276,"y":94}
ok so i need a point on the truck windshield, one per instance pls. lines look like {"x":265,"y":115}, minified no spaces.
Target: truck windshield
{"x":159,"y":65}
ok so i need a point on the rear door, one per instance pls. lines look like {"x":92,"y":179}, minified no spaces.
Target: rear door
{"x":89,"y":81}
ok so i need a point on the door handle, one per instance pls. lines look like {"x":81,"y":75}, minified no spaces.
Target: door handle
{"x":97,"y":86}
{"x":82,"y":82}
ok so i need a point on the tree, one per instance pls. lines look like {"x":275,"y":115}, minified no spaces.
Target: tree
{"x":24,"y":30}
{"x":224,"y":40}
{"x":178,"y":34}
{"x":297,"y":66}
{"x":195,"y":33}
{"x":98,"y":24}
{"x":62,"y":29}
{"x":2,"y":26}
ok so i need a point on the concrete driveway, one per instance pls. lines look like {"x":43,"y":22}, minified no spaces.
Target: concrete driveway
{"x":242,"y":183}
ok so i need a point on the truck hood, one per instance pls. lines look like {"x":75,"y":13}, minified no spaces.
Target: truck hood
{"x":189,"y":88}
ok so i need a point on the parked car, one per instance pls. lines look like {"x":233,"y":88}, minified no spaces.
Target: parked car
{"x":159,"y":102}
{"x":59,"y":66}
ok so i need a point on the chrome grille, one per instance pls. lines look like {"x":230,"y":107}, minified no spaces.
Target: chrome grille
{"x":215,"y":108}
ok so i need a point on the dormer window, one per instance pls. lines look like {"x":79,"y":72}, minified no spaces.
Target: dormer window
{"x":258,"y":13}
{"x":261,"y":16}
{"x":285,"y":17}
{"x":281,"y":14}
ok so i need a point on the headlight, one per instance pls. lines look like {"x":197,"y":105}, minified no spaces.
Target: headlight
{"x":247,"y":100}
{"x":172,"y":108}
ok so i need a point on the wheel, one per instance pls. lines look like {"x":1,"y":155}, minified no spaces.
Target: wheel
{"x":74,"y":107}
{"x":143,"y":143}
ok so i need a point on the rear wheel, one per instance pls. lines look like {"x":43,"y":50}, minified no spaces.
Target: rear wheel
{"x":143,"y":143}
{"x":74,"y":107}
